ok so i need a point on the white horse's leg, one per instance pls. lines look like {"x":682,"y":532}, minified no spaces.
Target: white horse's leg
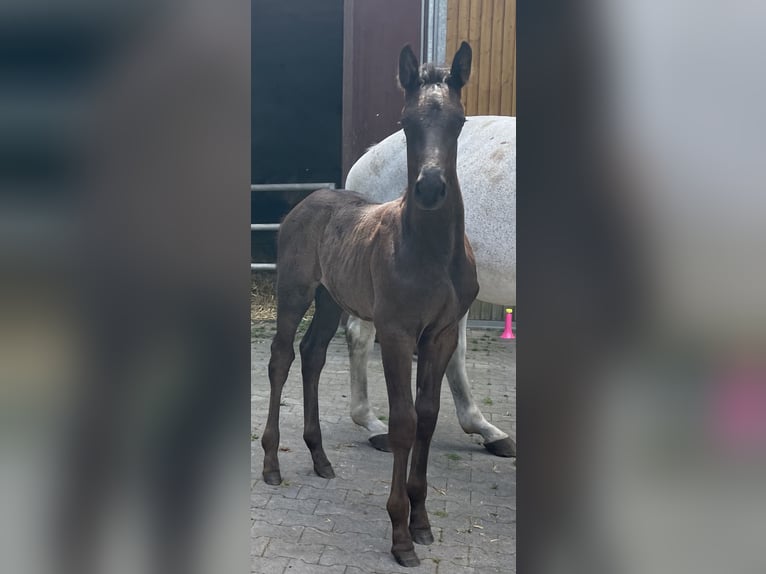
{"x":471,"y":419}
{"x":360,"y":337}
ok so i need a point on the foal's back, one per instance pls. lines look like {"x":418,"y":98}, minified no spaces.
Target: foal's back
{"x":331,"y":238}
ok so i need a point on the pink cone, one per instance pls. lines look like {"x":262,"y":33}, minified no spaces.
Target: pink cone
{"x":739,"y":411}
{"x":508,"y":333}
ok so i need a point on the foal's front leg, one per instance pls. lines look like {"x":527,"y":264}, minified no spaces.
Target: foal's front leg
{"x":396,"y":350}
{"x":433,"y":356}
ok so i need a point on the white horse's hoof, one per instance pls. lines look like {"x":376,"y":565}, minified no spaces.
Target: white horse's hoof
{"x":504,"y":447}
{"x":380,"y":442}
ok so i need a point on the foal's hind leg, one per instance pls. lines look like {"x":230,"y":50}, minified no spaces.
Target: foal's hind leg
{"x":292,"y":303}
{"x":313,"y":354}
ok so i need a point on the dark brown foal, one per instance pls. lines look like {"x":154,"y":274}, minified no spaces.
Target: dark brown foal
{"x":405,"y":265}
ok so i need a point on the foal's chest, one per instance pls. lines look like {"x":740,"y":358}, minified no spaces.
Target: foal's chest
{"x":444,"y":294}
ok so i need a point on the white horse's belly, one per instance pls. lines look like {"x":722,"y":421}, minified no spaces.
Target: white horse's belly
{"x":486,"y":166}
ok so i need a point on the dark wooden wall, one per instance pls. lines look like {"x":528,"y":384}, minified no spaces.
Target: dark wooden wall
{"x":374,"y":33}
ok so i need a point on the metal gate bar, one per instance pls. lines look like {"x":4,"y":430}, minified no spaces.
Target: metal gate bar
{"x":275,"y":226}
{"x":291,"y":186}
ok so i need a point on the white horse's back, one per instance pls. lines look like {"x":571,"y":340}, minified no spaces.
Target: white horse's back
{"x":486,"y":168}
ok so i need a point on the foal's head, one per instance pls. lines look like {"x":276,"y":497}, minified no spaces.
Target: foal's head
{"x":432,"y":118}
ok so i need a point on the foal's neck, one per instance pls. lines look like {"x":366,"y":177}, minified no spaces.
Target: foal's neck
{"x":440,"y":232}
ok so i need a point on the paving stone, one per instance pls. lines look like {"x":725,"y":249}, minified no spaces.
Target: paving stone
{"x":289,"y":533}
{"x":357,"y":570}
{"x":259,"y":500}
{"x":377,"y":500}
{"x":484,"y":561}
{"x":496,"y":514}
{"x":326,"y":494}
{"x":304,"y":506}
{"x":344,"y":524}
{"x":355,"y":542}
{"x":318,"y":522}
{"x":446,"y":567}
{"x":300,"y":567}
{"x":258,"y":545}
{"x":451,"y":537}
{"x":372,"y":561}
{"x":308,"y":553}
{"x":260,"y":565}
{"x":315,"y":481}
{"x":286,"y":491}
{"x":455,"y":553}
{"x":272,"y":516}
{"x":332,"y":508}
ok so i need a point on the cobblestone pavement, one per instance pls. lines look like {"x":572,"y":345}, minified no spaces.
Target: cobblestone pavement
{"x":340,"y":526}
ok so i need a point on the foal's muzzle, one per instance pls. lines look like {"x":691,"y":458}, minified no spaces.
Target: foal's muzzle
{"x":430,"y":188}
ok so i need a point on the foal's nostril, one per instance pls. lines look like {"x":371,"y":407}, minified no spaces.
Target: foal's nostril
{"x":430,"y":191}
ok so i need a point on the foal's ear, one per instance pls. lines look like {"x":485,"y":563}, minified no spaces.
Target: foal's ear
{"x":409,"y":70}
{"x":461,"y":67}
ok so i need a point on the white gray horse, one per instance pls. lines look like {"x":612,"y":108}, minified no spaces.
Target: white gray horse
{"x":486,"y":167}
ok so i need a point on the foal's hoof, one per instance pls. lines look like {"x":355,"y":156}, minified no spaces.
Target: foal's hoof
{"x":325,"y":471}
{"x":422,"y":536}
{"x":503,"y":447}
{"x":380,"y":442}
{"x":406,"y":558}
{"x":272,"y":477}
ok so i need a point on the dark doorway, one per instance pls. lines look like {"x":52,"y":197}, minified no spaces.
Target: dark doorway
{"x":297,"y":91}
{"x":297,"y":103}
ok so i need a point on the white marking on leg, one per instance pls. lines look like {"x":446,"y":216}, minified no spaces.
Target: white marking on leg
{"x":468,"y":413}
{"x":360,"y":337}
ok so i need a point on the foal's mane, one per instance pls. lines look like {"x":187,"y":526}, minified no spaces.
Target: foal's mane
{"x":430,"y":74}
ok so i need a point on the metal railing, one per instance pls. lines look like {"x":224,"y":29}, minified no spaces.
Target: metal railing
{"x":275,"y":226}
